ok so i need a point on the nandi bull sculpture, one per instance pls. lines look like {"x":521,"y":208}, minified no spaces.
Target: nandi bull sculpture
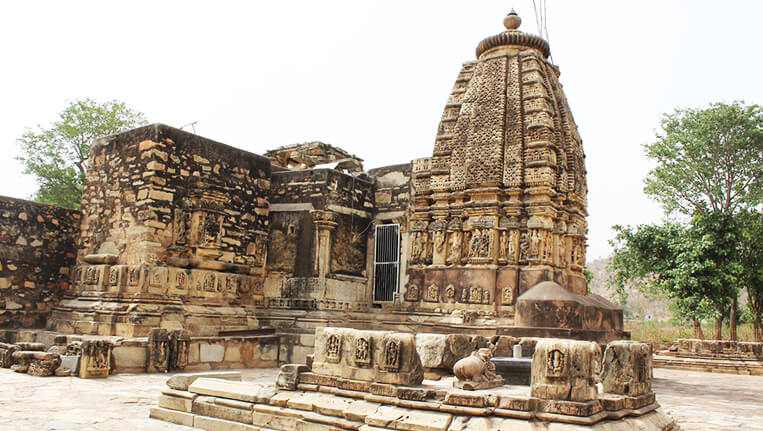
{"x":476,"y":371}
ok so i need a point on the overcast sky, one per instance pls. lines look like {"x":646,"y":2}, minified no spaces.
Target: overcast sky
{"x":373,"y":77}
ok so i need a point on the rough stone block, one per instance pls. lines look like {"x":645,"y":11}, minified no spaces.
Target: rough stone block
{"x":211,"y":352}
{"x":627,"y":368}
{"x":173,"y":416}
{"x":565,"y":370}
{"x":236,"y":411}
{"x":215,"y":424}
{"x":225,"y":389}
{"x":176,"y":400}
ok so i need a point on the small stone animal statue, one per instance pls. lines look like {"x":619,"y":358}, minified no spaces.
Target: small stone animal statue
{"x":476,"y":371}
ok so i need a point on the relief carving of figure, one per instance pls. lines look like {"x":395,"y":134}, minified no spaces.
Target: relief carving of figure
{"x":504,"y":249}
{"x":392,"y":354}
{"x":363,"y":351}
{"x":466,"y":242}
{"x":474,"y":243}
{"x":562,"y":251}
{"x":513,"y":241}
{"x":555,"y":364}
{"x":454,"y":248}
{"x":439,"y":241}
{"x":333,"y":348}
{"x":523,"y":247}
{"x":535,"y":244}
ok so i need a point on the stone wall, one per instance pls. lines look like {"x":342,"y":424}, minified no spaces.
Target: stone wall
{"x":177,"y":224}
{"x":392,"y":189}
{"x":36,"y":251}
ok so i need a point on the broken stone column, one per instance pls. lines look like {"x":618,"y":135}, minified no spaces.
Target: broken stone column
{"x":565,"y":370}
{"x":627,"y":368}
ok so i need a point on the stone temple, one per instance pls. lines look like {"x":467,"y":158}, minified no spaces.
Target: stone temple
{"x":245,"y":255}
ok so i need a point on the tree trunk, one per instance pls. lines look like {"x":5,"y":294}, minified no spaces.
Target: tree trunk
{"x":756,"y":324}
{"x":733,"y":319}
{"x":718,"y":327}
{"x":698,"y":329}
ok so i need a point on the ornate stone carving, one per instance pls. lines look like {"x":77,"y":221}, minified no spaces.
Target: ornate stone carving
{"x":507,"y":296}
{"x":556,"y":363}
{"x":96,"y":358}
{"x":450,"y":292}
{"x":363,"y":352}
{"x":433,"y":293}
{"x":454,"y":248}
{"x":334,"y":348}
{"x":391,"y":353}
{"x":476,"y":371}
{"x":412,"y":293}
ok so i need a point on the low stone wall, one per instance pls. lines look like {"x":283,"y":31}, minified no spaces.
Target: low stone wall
{"x":37,"y":247}
{"x":205,"y":353}
{"x":719,"y":348}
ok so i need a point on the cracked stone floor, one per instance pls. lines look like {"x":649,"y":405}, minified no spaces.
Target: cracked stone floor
{"x":700,"y":401}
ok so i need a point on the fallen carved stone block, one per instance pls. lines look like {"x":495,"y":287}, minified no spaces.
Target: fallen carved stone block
{"x":96,"y":358}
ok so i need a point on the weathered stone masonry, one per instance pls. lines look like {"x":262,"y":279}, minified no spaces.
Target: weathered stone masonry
{"x":174,"y":230}
{"x":37,"y":248}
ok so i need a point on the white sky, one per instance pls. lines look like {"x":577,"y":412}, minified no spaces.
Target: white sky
{"x":373,"y":77}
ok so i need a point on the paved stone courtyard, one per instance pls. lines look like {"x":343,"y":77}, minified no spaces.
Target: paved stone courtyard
{"x":700,"y":401}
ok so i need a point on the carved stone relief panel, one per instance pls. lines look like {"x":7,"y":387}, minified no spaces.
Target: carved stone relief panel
{"x":507,"y":296}
{"x":432,"y":293}
{"x":556,"y":364}
{"x":454,"y":248}
{"x":391,"y":354}
{"x":157,"y":279}
{"x":450,"y":293}
{"x":363,"y":352}
{"x":412,"y":293}
{"x":334,"y":348}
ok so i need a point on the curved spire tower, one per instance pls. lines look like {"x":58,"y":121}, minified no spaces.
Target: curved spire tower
{"x":501,"y":204}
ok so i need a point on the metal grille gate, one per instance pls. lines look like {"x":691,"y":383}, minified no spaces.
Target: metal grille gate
{"x":386,"y":261}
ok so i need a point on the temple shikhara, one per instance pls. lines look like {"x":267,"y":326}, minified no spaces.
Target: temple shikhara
{"x":188,"y":254}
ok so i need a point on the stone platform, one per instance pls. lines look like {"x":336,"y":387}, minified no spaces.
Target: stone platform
{"x":713,"y":356}
{"x":213,"y":404}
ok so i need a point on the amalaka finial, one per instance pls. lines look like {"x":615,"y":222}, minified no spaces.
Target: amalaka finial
{"x":512,"y":21}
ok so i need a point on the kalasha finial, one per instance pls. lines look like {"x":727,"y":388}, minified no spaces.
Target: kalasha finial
{"x":512,"y":21}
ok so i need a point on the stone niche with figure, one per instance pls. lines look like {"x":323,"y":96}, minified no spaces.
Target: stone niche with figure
{"x":177,"y":224}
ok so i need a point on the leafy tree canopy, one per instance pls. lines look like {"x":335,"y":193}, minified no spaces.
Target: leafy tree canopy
{"x":708,"y":159}
{"x":57,"y":155}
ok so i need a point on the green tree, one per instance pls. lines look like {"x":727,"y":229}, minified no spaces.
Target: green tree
{"x":57,"y":155}
{"x":696,"y":265}
{"x":751,"y":250}
{"x":708,"y":159}
{"x":709,"y":166}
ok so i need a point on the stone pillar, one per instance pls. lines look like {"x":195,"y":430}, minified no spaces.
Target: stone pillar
{"x":325,"y":222}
